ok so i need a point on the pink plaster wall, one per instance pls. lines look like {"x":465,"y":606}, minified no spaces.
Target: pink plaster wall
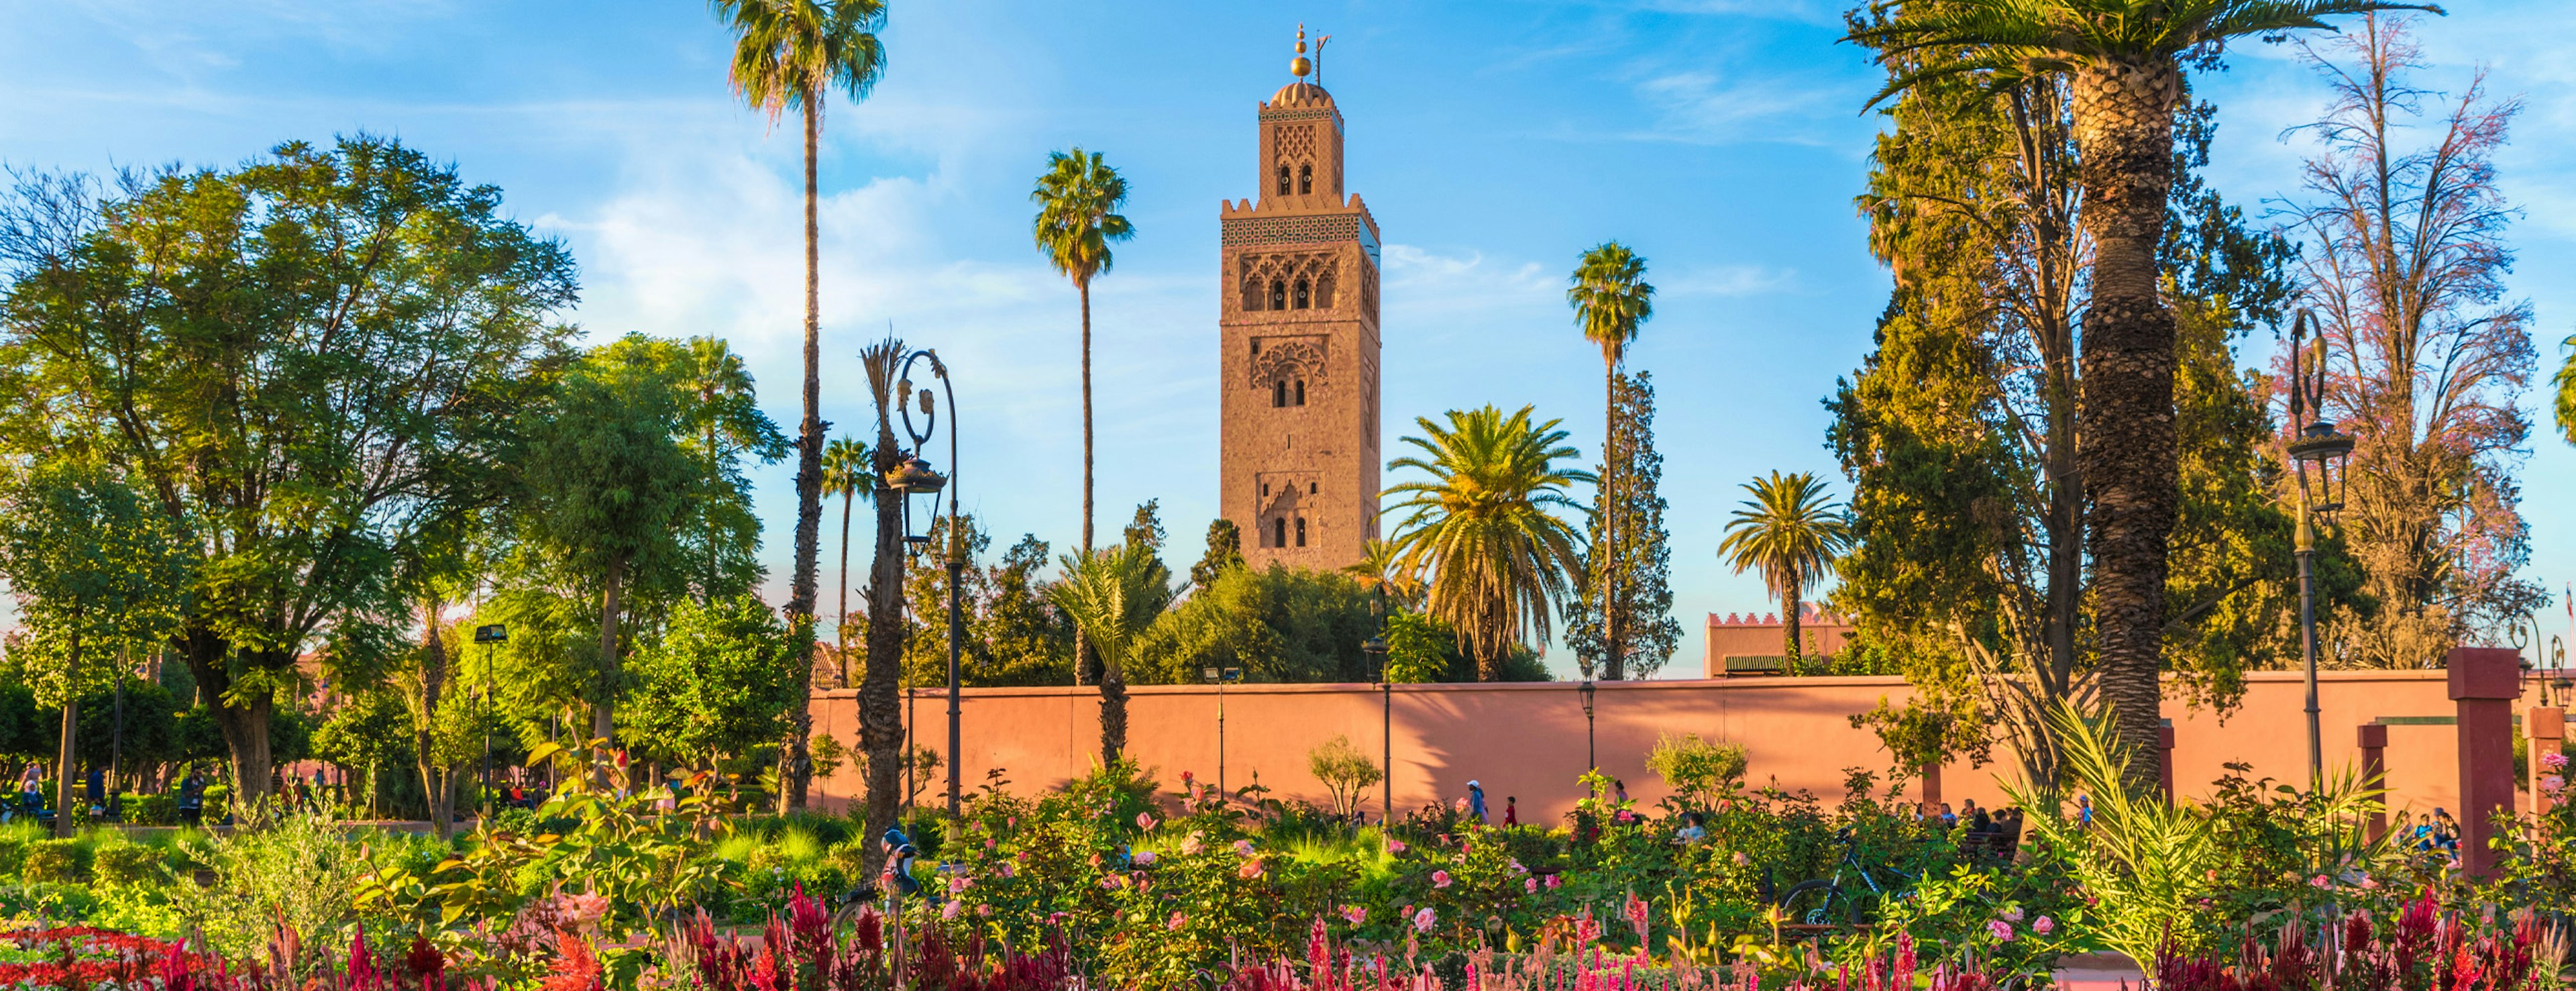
{"x":1528,"y":739}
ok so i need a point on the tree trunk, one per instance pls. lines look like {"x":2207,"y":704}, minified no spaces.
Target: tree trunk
{"x":1605,"y":552}
{"x":2124,"y":133}
{"x":1789,"y":622}
{"x":244,"y":726}
{"x":1086,"y":667}
{"x":66,"y":755}
{"x":434,"y":778}
{"x":603,"y":702}
{"x":841,"y":636}
{"x":881,"y":730}
{"x":1113,"y":714}
{"x":795,"y":757}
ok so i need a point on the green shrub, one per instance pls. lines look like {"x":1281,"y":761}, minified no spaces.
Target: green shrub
{"x":151,"y":809}
{"x":1695,"y":768}
{"x":55,"y":861}
{"x":121,"y":864}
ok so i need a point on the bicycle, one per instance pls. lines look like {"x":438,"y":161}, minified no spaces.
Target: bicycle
{"x":1825,"y":902}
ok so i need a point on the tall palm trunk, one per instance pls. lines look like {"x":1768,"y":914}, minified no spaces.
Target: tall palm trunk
{"x":603,"y":703}
{"x":881,"y":730}
{"x":1793,"y":648}
{"x":435,"y":781}
{"x":1614,"y":661}
{"x":2124,"y":132}
{"x":69,"y":745}
{"x":841,"y":636}
{"x":795,"y":758}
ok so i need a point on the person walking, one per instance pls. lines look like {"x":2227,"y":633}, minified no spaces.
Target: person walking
{"x":1476,"y":800}
{"x":1511,"y":811}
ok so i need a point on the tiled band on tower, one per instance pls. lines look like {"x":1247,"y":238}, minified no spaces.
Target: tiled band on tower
{"x":1300,"y":327}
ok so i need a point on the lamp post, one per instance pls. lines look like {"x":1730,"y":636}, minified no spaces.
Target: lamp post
{"x":488,"y":635}
{"x":2318,"y":453}
{"x":1220,"y":676}
{"x":1591,"y":760}
{"x":914,"y":477}
{"x":1375,"y":646}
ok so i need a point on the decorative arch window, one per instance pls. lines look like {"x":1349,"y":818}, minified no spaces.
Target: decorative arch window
{"x":1305,"y":295}
{"x":1301,"y":393}
{"x":1305,"y":179}
{"x":1278,"y":294}
{"x":1283,"y":178}
{"x":1279,"y":393}
{"x":1310,"y":488}
{"x":1279,"y":531}
{"x":1301,"y":531}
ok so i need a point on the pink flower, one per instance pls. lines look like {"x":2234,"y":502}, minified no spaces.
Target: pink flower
{"x":1554,"y":882}
{"x":1112,"y":882}
{"x":2552,"y":783}
{"x":1191,"y":846}
{"x":1354,"y":914}
{"x":958,"y":885}
{"x":2553,"y":761}
{"x":1187,"y":777}
{"x":1740,"y":859}
{"x":985,"y":911}
{"x":1394,"y":845}
{"x":1243,"y":848}
{"x":950,"y":910}
{"x":1423,"y":920}
{"x":1636,"y":911}
{"x":2042,"y":926}
{"x":2012,"y":914}
{"x":1250,"y":869}
{"x":1439,"y":879}
{"x":1530,"y":885}
{"x":1007,"y":870}
{"x":1145,"y":821}
{"x":1515,"y":867}
{"x":2320,"y":883}
{"x":1625,"y":817}
{"x":1176,"y":921}
{"x":2003,"y":931}
{"x":1145,"y":859}
{"x":2369,"y":883}
{"x":1460,"y":805}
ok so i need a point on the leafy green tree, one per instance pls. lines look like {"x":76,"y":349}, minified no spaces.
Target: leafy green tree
{"x":2122,"y":60}
{"x":788,"y":55}
{"x":609,"y":483}
{"x":1631,"y":617}
{"x":1078,"y":201}
{"x":1611,"y":301}
{"x":1113,"y":596}
{"x":715,"y":685}
{"x":366,"y":733}
{"x":1278,"y":624}
{"x":1499,"y":561}
{"x":1029,"y":641}
{"x":291,"y":358}
{"x":722,"y":427}
{"x":92,"y":566}
{"x":1224,"y":551}
{"x":1790,"y":533}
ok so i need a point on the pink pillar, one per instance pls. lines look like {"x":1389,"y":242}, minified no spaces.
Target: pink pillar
{"x":2374,"y":772}
{"x":2485,"y":683}
{"x":2164,"y":759}
{"x":2546,"y":728}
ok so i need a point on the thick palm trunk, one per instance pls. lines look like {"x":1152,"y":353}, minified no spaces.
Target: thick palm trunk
{"x":603,"y":701}
{"x":1792,"y":647}
{"x":1113,"y":714}
{"x":795,"y":758}
{"x":434,"y":783}
{"x":881,"y":731}
{"x":2124,"y":133}
{"x":67,"y":753}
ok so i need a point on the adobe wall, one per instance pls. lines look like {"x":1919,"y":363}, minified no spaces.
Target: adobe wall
{"x":1528,"y":739}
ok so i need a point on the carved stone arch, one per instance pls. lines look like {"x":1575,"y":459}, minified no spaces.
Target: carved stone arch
{"x":1287,"y":363}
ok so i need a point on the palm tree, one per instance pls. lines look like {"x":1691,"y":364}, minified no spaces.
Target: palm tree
{"x":1499,"y":561}
{"x":1078,"y":200}
{"x":846,"y":473}
{"x":1111,"y":596}
{"x":1379,"y":568}
{"x":725,"y":405}
{"x":2122,"y":59}
{"x":1611,"y":300}
{"x":1791,"y":534}
{"x":786,"y":55}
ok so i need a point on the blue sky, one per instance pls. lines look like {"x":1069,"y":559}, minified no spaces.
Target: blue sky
{"x":1494,"y":140}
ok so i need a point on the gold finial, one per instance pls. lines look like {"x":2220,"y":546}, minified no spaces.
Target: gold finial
{"x":1299,"y":66}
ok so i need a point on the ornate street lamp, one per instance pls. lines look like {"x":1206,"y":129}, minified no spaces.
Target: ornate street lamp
{"x":915,"y":477}
{"x":490,"y":635}
{"x":1591,"y":759}
{"x":2318,"y":455}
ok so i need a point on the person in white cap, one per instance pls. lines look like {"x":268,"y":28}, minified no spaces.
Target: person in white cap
{"x":1476,"y":800}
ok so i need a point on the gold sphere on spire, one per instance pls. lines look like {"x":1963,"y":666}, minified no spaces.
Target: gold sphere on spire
{"x":1299,"y":66}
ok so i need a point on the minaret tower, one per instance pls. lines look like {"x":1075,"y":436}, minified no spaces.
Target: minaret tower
{"x":1299,"y":326}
